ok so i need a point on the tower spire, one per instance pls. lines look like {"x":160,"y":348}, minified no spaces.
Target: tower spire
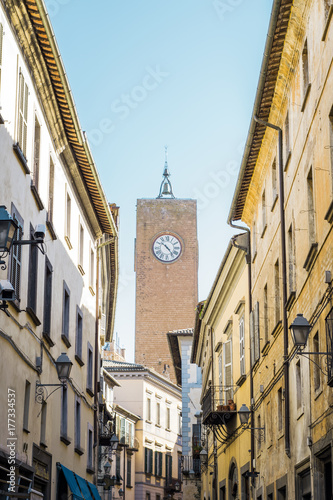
{"x":166,"y":187}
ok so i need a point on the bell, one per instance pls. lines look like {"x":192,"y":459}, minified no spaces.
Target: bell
{"x":166,"y":189}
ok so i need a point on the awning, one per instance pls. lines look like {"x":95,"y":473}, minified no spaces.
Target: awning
{"x":80,"y":487}
{"x":72,"y":483}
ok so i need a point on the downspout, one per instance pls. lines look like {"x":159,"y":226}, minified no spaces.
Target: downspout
{"x":284,"y":286}
{"x":249,"y":269}
{"x":214,"y":433}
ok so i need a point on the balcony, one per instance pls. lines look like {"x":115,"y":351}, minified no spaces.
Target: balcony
{"x":214,"y":410}
{"x":190,"y":464}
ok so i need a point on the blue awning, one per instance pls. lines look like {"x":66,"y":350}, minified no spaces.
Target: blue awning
{"x":71,"y":481}
{"x":84,"y":487}
{"x":94,"y":491}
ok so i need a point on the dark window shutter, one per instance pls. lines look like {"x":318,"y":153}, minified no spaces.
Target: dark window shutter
{"x":161,"y":463}
{"x":146,"y":459}
{"x":32,"y":280}
{"x":252,"y":338}
{"x":256,"y":332}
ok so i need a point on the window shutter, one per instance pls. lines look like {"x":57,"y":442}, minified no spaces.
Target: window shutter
{"x":146,"y":459}
{"x":150,"y":461}
{"x":161,"y":463}
{"x":252,"y":337}
{"x":25,"y":119}
{"x":156,"y":464}
{"x":1,"y":41}
{"x":256,"y":332}
{"x":242,"y":345}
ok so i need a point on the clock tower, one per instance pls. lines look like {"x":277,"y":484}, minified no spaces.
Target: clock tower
{"x":166,"y":266}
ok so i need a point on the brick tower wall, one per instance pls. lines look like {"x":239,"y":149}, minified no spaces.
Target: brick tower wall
{"x":166,"y":294}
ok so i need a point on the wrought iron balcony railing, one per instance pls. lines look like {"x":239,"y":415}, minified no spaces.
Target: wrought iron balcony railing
{"x":218,"y":407}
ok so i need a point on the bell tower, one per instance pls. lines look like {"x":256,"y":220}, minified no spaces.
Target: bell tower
{"x":166,"y":266}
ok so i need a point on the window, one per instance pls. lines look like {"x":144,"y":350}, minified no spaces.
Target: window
{"x":242,"y":345}
{"x":149,"y":409}
{"x":286,"y":138}
{"x":298,"y":385}
{"x":26,"y":406}
{"x":158,"y":413}
{"x":274,"y":182}
{"x":280,"y":409}
{"x":92,"y":268}
{"x":47,"y":299}
{"x":36,"y":153}
{"x":220,"y":366}
{"x":64,"y":413}
{"x":81,"y":247}
{"x":266,"y":321}
{"x":227,"y":365}
{"x":277,"y":292}
{"x":68,"y":214}
{"x":291,"y":257}
{"x":305,"y":68}
{"x":259,"y":426}
{"x":90,"y":369}
{"x":168,"y":418}
{"x":179,"y":424}
{"x":148,"y":496}
{"x":168,"y":469}
{"x":316,"y":369}
{"x":327,"y":5}
{"x":32,"y":278}
{"x":118,"y":475}
{"x":255,"y":334}
{"x":158,"y":463}
{"x":22,"y":115}
{"x":65,"y":314}
{"x":254,"y":241}
{"x":303,"y":485}
{"x":51,"y":193}
{"x":79,"y":335}
{"x":311,"y":212}
{"x":90,"y":448}
{"x":43,"y":424}
{"x":129,"y":472}
{"x":263,"y":213}
{"x":196,"y":440}
{"x":16,"y":255}
{"x":77,"y":441}
{"x":148,"y":461}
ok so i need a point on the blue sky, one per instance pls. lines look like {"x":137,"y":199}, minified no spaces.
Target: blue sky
{"x":146,"y":74}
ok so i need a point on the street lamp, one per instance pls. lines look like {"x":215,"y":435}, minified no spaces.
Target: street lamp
{"x":107,"y":468}
{"x":300,"y":330}
{"x":63,"y":367}
{"x":114,"y":442}
{"x":244,"y":415}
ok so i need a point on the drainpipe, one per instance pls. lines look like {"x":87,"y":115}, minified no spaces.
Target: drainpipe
{"x":249,"y":268}
{"x":214,"y":432}
{"x":284,"y":286}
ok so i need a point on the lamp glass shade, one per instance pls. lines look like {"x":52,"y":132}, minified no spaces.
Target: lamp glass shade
{"x":64,"y":366}
{"x":244,"y":414}
{"x":107,"y":467}
{"x":114,"y":442}
{"x":300,"y":330}
{"x":7,"y":229}
{"x":177,"y":485}
{"x":203,"y":456}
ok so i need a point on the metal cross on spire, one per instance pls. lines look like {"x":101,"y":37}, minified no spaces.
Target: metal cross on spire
{"x":166,"y":187}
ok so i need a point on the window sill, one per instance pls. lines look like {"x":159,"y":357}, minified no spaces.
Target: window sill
{"x":21,"y":158}
{"x":36,"y":196}
{"x":48,"y":339}
{"x":300,"y":414}
{"x":254,"y":256}
{"x":68,"y":241}
{"x":79,"y":450}
{"x":90,"y":470}
{"x":33,"y":316}
{"x":89,"y":391}
{"x":310,"y":258}
{"x":158,"y":425}
{"x":291,"y":300}
{"x":26,"y":430}
{"x":266,"y":347}
{"x":306,"y":95}
{"x":65,"y":340}
{"x":43,"y":445}
{"x":318,"y":392}
{"x":2,"y":121}
{"x":81,"y":269}
{"x":264,"y":231}
{"x":79,"y":360}
{"x":168,"y":430}
{"x":286,"y":163}
{"x":327,"y":24}
{"x":274,"y":201}
{"x":277,"y":329}
{"x":241,"y":380}
{"x":91,"y":290}
{"x":129,"y":486}
{"x":50,"y":227}
{"x":329,"y":214}
{"x":65,"y":439}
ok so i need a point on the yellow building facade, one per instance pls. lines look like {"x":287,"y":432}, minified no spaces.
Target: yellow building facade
{"x":221,"y":347}
{"x":292,"y":251}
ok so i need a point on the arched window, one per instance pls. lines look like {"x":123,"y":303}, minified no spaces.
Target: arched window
{"x":233,"y":482}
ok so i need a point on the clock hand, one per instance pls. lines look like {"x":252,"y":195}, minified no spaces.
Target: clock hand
{"x":166,"y":247}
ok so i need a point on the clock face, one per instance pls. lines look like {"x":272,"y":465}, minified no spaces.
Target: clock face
{"x":167,"y":248}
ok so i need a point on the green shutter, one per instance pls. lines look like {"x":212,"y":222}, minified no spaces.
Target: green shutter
{"x":150,"y":461}
{"x":161,"y":463}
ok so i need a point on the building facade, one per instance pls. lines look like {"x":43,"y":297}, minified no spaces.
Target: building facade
{"x":48,"y":178}
{"x":284,"y":195}
{"x":166,"y":266}
{"x":157,"y":401}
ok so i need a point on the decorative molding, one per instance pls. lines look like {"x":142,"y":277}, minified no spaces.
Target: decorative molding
{"x":21,"y":158}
